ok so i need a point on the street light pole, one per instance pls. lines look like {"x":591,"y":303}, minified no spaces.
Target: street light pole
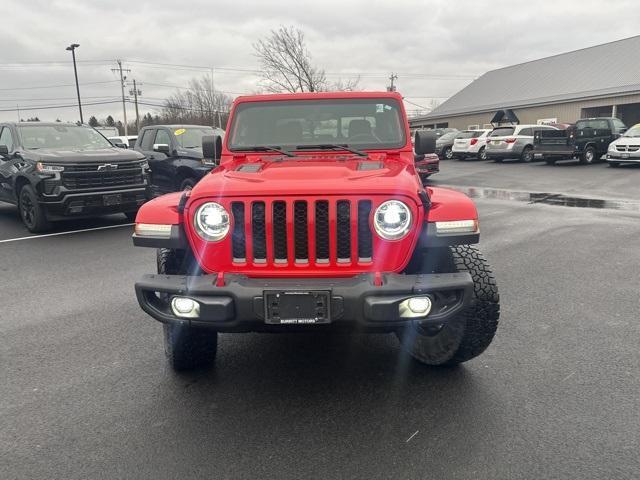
{"x":72,"y":49}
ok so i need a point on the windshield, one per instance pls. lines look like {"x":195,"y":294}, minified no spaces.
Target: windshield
{"x":361,"y":123}
{"x":633,"y":132}
{"x":72,"y":137}
{"x":191,"y":137}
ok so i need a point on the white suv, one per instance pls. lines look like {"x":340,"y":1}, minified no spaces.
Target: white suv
{"x":471,"y":143}
{"x":513,"y":141}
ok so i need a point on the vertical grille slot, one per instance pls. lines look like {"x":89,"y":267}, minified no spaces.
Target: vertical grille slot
{"x":280,"y":232}
{"x":258,"y":232}
{"x":365,"y":241}
{"x":322,"y":231}
{"x":238,"y":240}
{"x":300,"y":231}
{"x":343,"y":226}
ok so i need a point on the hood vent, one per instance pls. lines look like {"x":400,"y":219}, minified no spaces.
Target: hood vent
{"x":369,"y":166}
{"x":249,"y":168}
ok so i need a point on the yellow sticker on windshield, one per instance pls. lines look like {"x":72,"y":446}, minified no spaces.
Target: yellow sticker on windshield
{"x":180,"y":131}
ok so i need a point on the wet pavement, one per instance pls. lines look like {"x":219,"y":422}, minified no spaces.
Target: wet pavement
{"x":557,"y":199}
{"x":86,"y":392}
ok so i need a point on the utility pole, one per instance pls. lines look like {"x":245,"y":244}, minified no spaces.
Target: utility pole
{"x":124,"y":105}
{"x":72,"y":49}
{"x":392,"y":87}
{"x":213,"y":101}
{"x":135,"y":92}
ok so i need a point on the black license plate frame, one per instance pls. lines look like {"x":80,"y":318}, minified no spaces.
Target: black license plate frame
{"x":297,"y":307}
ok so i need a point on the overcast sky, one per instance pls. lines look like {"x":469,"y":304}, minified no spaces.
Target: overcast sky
{"x":435,"y":47}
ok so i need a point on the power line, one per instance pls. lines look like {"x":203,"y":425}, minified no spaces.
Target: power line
{"x":57,"y":62}
{"x":50,"y":107}
{"x":13,"y":100}
{"x":346,"y":73}
{"x":57,"y":86}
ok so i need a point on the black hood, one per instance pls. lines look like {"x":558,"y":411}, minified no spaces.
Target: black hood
{"x":111,"y":155}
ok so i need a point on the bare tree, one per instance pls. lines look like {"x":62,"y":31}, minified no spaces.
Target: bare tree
{"x":197,"y":104}
{"x":287,"y":67}
{"x":286,"y":62}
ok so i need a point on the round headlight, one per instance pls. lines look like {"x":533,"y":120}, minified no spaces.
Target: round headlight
{"x":212,"y":221}
{"x":392,"y":220}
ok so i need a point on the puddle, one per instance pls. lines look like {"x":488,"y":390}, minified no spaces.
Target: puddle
{"x":548,"y":198}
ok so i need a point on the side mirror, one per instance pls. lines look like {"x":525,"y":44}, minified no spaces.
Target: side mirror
{"x":212,"y":147}
{"x":4,"y":150}
{"x":121,"y":145}
{"x":162,"y":148}
{"x":425,"y":143}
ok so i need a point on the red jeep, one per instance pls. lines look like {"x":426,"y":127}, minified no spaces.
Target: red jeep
{"x":316,"y":220}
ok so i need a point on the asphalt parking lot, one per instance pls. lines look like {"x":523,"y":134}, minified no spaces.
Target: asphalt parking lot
{"x":86,"y":392}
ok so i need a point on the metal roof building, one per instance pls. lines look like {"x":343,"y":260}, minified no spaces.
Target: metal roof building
{"x":597,"y":81}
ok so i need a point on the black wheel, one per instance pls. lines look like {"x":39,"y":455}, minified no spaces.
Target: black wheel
{"x":482,"y":154}
{"x":447,"y":153}
{"x":467,"y":335}
{"x":131,"y":216}
{"x":187,"y":184}
{"x":614,"y":164}
{"x":31,"y":212}
{"x":527,"y":155}
{"x":186,"y":347}
{"x":588,"y":156}
{"x":550,"y":161}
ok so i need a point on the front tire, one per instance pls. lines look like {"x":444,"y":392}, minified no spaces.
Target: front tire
{"x":448,"y":153}
{"x":186,"y":347}
{"x":31,"y":212}
{"x":588,"y":156}
{"x":469,"y":333}
{"x":187,"y":184}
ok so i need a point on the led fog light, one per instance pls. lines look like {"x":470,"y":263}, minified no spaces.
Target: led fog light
{"x":415,"y":307}
{"x":185,"y":307}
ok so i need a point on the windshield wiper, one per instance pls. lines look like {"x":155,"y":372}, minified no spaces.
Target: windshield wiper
{"x":267,"y":148}
{"x":333,"y":146}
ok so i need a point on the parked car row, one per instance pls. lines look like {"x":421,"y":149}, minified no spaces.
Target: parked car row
{"x":590,"y":140}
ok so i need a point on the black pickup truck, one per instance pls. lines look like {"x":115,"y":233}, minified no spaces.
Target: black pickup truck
{"x":588,"y":140}
{"x":53,"y":171}
{"x":175,"y":155}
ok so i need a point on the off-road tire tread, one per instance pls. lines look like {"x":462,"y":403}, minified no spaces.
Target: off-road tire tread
{"x":483,"y":313}
{"x":477,"y":324}
{"x":189,"y":348}
{"x":186,"y":348}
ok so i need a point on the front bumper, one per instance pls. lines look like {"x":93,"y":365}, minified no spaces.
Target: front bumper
{"x":622,"y":158}
{"x":356,"y":303}
{"x":91,"y":203}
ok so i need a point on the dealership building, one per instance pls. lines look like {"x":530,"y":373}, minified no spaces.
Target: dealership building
{"x":600,"y":81}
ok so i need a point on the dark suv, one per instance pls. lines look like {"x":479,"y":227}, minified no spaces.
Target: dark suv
{"x":175,"y":155}
{"x":53,"y":171}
